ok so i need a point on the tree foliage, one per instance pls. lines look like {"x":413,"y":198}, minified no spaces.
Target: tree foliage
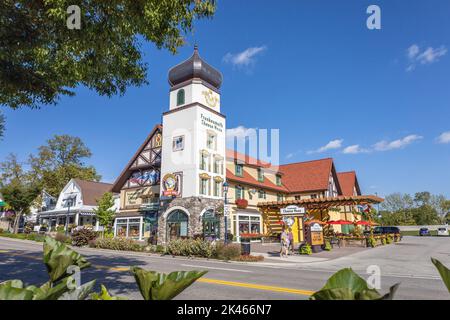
{"x":423,"y":208}
{"x":104,"y":213}
{"x":60,"y":160}
{"x":41,"y":59}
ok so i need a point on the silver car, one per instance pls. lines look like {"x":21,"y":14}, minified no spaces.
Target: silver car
{"x":442,"y":231}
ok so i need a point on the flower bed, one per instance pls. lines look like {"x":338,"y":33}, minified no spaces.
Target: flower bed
{"x":251,"y":236}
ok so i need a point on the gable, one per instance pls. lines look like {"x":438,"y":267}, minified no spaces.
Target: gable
{"x":144,"y":167}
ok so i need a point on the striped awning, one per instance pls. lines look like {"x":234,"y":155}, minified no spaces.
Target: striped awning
{"x":63,"y":214}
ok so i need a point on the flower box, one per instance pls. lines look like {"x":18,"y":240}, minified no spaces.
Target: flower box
{"x":241,"y":203}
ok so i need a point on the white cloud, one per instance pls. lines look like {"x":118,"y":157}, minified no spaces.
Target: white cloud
{"x":289,"y":155}
{"x":240,"y":132}
{"x":244,"y":58}
{"x":333,"y":144}
{"x":354,"y":149}
{"x":396,"y":144}
{"x":444,"y":137}
{"x":427,"y":56}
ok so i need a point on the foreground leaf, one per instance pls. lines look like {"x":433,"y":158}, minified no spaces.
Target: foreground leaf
{"x":79,"y":293}
{"x":14,"y":290}
{"x":104,"y":295}
{"x":160,"y":286}
{"x":347,"y":285}
{"x":443,"y":271}
{"x":58,"y":258}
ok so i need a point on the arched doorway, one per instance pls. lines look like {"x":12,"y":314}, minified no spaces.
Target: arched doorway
{"x":211,"y":225}
{"x":177,"y":225}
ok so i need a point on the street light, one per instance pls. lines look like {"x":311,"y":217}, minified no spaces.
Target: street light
{"x":225,"y":192}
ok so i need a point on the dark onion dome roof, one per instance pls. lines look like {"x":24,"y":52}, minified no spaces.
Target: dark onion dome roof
{"x":195,"y":67}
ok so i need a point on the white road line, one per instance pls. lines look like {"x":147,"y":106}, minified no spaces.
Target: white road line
{"x":216,"y":268}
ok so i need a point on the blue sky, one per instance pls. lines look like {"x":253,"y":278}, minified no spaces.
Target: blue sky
{"x":376,"y":101}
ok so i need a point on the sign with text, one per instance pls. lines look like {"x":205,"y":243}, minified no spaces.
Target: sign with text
{"x":293,"y":210}
{"x":226,"y":210}
{"x":316,"y":238}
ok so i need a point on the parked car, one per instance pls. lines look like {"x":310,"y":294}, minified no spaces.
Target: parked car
{"x":442,"y":231}
{"x":384,"y":230}
{"x":424,"y":232}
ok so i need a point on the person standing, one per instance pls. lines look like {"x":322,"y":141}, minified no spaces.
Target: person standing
{"x":284,"y":244}
{"x":291,"y":241}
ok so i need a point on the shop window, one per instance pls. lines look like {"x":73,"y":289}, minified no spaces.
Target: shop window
{"x":128,"y":227}
{"x":177,"y":225}
{"x":249,"y":224}
{"x":211,"y":225}
{"x":180,"y":97}
{"x":178,"y":143}
{"x":260,"y":175}
{"x":239,"y":170}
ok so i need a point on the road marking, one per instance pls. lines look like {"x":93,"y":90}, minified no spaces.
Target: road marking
{"x":256,"y":286}
{"x":216,"y":268}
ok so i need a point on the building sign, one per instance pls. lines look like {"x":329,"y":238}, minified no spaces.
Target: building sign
{"x":210,"y":123}
{"x":316,"y":227}
{"x":145,"y":177}
{"x":316,"y":238}
{"x":226,"y":210}
{"x":171,"y":184}
{"x":292,"y":210}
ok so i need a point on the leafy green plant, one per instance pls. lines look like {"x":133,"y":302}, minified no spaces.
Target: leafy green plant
{"x":443,"y":271}
{"x":371,"y":242}
{"x":327,"y":246}
{"x":160,"y":286}
{"x":347,"y":285}
{"x":383,"y":240}
{"x":58,"y":257}
{"x":191,"y":247}
{"x":104,"y":295}
{"x":305,"y":249}
{"x":125,"y":244}
{"x":389,"y":239}
{"x":227,"y":251}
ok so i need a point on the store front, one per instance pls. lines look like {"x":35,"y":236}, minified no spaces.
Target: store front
{"x":211,"y":225}
{"x":246,"y":223}
{"x":128,"y":227}
{"x":177,"y":225}
{"x":150,"y":226}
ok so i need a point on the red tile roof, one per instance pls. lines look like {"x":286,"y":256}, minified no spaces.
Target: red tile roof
{"x":307,"y":176}
{"x":249,"y":180}
{"x":246,"y":159}
{"x":348,"y":181}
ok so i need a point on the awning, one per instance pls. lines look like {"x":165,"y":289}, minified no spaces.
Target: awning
{"x":63,"y":214}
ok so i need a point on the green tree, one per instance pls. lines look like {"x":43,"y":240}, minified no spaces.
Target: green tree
{"x":2,"y":125}
{"x":41,"y":59}
{"x":422,"y":198}
{"x":16,"y":188}
{"x":60,"y":160}
{"x":104,"y":213}
{"x":425,"y":215}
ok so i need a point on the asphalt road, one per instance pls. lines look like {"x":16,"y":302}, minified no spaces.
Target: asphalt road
{"x":407,"y":262}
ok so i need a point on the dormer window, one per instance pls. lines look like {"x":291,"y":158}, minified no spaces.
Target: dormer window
{"x":180,"y":97}
{"x":239,"y":171}
{"x":260,"y":175}
{"x":278,"y":179}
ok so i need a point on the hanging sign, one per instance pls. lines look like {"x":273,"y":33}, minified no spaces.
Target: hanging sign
{"x":171,"y":184}
{"x":226,"y":210}
{"x":293,"y":210}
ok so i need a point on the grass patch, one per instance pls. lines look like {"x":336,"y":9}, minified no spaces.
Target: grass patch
{"x":24,"y":236}
{"x":416,"y":233}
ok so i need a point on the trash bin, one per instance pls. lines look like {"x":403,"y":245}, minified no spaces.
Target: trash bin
{"x":245,"y":248}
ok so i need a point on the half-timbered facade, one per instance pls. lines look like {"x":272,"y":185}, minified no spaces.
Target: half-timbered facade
{"x":138,"y":185}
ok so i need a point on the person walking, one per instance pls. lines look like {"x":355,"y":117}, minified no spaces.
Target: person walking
{"x":291,"y":242}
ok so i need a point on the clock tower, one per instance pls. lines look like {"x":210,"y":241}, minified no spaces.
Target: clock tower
{"x":193,"y":152}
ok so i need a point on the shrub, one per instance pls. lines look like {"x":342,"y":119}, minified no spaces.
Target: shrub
{"x":1,"y":230}
{"x":227,"y":251}
{"x":191,"y":247}
{"x":125,"y":244}
{"x":383,"y":240}
{"x":305,"y":249}
{"x":327,"y":246}
{"x":60,"y":228}
{"x":249,"y":258}
{"x":61,"y":237}
{"x":81,"y":237}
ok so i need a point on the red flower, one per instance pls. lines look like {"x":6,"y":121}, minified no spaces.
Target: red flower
{"x":242,"y":203}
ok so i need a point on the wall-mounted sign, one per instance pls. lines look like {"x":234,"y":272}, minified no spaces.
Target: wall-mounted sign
{"x":292,"y":210}
{"x":316,"y":227}
{"x":211,"y":123}
{"x":210,"y":98}
{"x":150,"y":177}
{"x":171,"y":184}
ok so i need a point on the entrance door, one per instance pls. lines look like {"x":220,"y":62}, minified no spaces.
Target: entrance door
{"x":177,"y":225}
{"x":211,"y":225}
